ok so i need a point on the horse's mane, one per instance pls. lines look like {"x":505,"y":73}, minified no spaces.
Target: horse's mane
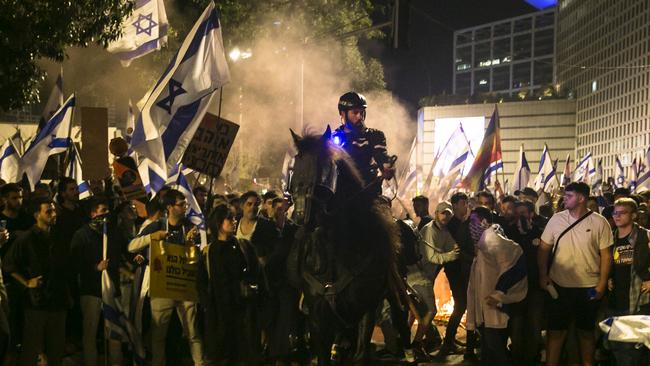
{"x":383,"y":232}
{"x":313,"y":143}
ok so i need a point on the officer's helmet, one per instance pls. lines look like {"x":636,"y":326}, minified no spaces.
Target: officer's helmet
{"x":352,"y":100}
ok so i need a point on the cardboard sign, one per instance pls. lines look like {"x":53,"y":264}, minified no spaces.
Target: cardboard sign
{"x":94,"y":142}
{"x":209,"y":148}
{"x":172,"y":274}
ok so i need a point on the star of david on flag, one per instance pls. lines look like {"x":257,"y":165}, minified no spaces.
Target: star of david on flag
{"x":150,"y":24}
{"x":173,"y":109}
{"x":143,"y":32}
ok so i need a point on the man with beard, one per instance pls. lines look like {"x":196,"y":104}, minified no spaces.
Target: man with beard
{"x":39,"y":264}
{"x":366,"y":146}
{"x":458,"y":275}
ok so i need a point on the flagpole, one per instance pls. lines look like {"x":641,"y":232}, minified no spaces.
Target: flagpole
{"x":210,"y":193}
{"x":67,"y":157}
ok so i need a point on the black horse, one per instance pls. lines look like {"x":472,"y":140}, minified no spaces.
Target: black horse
{"x":344,"y":256}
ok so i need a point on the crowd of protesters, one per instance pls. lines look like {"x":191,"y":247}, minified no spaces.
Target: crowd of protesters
{"x":533,"y":276}
{"x":536,"y":274}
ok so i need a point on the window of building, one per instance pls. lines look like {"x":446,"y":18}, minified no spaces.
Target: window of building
{"x":543,"y":72}
{"x":501,"y":78}
{"x":522,"y":46}
{"x":502,"y":29}
{"x":463,"y":83}
{"x":481,"y":81}
{"x":482,"y":56}
{"x":522,"y":25}
{"x":544,"y":20}
{"x":501,"y":51}
{"x":464,"y":38}
{"x":482,"y":34}
{"x":521,"y":75}
{"x":463,"y":58}
{"x":544,"y":42}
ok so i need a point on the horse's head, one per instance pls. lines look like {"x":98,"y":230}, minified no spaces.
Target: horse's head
{"x":314,"y":174}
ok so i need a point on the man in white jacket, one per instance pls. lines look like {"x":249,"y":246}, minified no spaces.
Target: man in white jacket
{"x":497,"y":278}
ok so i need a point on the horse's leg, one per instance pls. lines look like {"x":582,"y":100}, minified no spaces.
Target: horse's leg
{"x":364,"y":336}
{"x":321,"y":341}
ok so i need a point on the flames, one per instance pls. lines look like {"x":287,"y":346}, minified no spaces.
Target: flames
{"x":444,"y":299}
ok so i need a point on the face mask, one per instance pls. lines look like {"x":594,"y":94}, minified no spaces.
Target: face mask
{"x":98,"y":221}
{"x":476,"y":230}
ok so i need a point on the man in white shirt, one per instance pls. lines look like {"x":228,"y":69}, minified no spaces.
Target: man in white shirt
{"x":578,"y":272}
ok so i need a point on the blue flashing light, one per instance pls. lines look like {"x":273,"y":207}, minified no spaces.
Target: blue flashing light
{"x":337,"y":140}
{"x":542,"y":4}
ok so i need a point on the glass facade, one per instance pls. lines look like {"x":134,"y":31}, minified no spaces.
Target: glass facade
{"x":507,"y":56}
{"x":603,"y":49}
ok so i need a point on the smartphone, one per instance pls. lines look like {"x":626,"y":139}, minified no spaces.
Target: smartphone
{"x":3,"y":225}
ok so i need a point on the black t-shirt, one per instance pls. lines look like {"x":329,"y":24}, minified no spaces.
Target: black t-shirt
{"x":423,"y":221}
{"x":621,"y":272}
{"x":22,"y":222}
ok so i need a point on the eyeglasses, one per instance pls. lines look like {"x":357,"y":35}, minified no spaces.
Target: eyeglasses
{"x":619,"y":213}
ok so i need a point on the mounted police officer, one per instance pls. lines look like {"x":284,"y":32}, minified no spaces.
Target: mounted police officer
{"x":366,"y":146}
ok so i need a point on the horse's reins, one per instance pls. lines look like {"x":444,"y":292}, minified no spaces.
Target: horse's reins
{"x":365,"y":188}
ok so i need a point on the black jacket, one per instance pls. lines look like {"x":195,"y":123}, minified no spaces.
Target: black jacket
{"x":87,"y":252}
{"x":367,"y":148}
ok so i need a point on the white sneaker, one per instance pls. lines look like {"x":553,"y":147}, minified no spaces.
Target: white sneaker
{"x":409,"y":355}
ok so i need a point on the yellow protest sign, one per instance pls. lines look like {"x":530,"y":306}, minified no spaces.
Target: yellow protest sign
{"x":173,"y":271}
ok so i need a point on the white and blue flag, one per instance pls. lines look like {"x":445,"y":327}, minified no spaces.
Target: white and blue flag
{"x":143,"y":32}
{"x":53,"y":138}
{"x":54,"y":102}
{"x":117,"y":324}
{"x":174,"y":108}
{"x":643,"y":183}
{"x":598,"y":178}
{"x":9,"y":162}
{"x":632,"y":176}
{"x":194,"y":213}
{"x":585,"y":169}
{"x":74,"y":171}
{"x":620,"y":173}
{"x":522,"y":172}
{"x":546,"y":179}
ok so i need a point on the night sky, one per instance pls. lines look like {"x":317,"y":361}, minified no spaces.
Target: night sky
{"x":425,"y":67}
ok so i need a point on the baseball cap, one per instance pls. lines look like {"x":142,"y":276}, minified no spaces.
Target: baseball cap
{"x":444,"y":206}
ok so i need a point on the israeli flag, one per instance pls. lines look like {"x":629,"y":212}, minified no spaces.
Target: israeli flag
{"x":620,"y":173}
{"x":633,"y":175}
{"x":643,"y":183}
{"x":585,"y":169}
{"x":143,"y":32}
{"x":9,"y":162}
{"x":174,"y":108}
{"x":546,"y":179}
{"x":116,"y":322}
{"x":598,"y":183}
{"x":53,"y":138}
{"x":74,"y":171}
{"x":194,"y":213}
{"x":54,"y":102}
{"x":522,"y":172}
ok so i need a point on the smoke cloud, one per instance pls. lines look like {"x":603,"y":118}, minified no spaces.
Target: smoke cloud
{"x":264,"y":96}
